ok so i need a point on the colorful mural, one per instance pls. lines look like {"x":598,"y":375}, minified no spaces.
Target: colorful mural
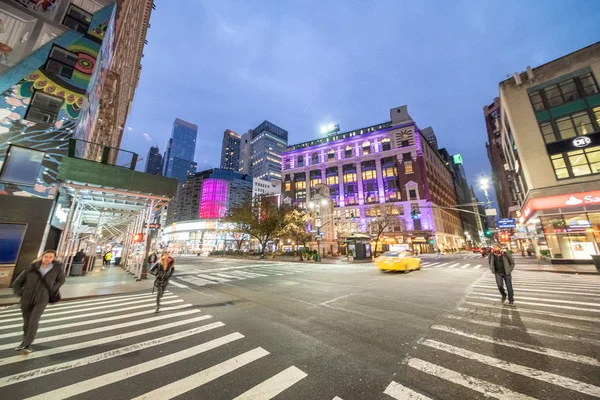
{"x":77,"y":106}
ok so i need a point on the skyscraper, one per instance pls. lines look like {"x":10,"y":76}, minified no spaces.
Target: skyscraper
{"x":179,"y":158}
{"x":154,"y":161}
{"x":261,"y":150}
{"x":429,"y":135}
{"x":230,"y":151}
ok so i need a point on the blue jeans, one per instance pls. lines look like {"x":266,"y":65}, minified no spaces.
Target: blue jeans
{"x":500,"y":279}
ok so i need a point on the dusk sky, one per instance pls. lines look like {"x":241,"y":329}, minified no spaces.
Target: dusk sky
{"x":232,"y":64}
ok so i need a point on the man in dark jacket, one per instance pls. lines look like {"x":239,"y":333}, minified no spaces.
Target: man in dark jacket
{"x":34,"y":294}
{"x":502,"y":264}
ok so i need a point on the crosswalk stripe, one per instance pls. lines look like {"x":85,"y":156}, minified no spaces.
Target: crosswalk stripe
{"x":61,"y":367}
{"x":441,"y":265}
{"x":227,"y":276}
{"x":96,"y":321}
{"x":454,"y":265}
{"x":86,"y":332}
{"x":112,"y":377}
{"x":521,"y":346}
{"x":466,"y":266}
{"x":50,"y":313}
{"x":274,"y":385}
{"x":528,"y":330}
{"x":213,"y":278}
{"x":98,"y":342}
{"x":581,"y":303}
{"x":540,"y":312}
{"x":529,"y":303}
{"x":80,"y":304}
{"x":521,"y":289}
{"x":200,"y":378}
{"x":194,"y":280}
{"x":177,"y":284}
{"x":526,"y":282}
{"x":77,"y":316}
{"x":245,"y":274}
{"x":399,"y":392}
{"x":528,"y":372}
{"x":477,"y":266}
{"x":488,"y":389}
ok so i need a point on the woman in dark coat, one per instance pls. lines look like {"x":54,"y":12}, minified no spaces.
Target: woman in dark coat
{"x":163,"y":270}
{"x":32,"y":286}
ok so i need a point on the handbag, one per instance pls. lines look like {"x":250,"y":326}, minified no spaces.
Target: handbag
{"x":54,"y":297}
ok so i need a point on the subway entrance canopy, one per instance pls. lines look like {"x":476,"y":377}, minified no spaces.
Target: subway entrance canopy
{"x":108,"y":202}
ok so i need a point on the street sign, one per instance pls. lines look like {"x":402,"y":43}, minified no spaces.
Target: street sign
{"x":152,"y":225}
{"x":491,"y":212}
{"x":507,"y":223}
{"x":317,"y":222}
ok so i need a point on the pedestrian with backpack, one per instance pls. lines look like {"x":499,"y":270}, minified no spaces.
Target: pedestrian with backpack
{"x":162,"y":270}
{"x":37,"y":286}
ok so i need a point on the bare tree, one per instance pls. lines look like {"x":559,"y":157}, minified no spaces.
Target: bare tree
{"x":378,"y":225}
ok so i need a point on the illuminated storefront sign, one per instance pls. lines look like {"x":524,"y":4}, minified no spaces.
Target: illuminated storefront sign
{"x":581,"y":141}
{"x":562,"y":201}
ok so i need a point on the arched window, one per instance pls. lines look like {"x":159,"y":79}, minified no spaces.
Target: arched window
{"x":386,"y":145}
{"x":366,"y":146}
{"x":331,"y":155}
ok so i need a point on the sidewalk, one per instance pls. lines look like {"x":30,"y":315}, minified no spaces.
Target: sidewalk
{"x":114,"y":280}
{"x":583,"y":269}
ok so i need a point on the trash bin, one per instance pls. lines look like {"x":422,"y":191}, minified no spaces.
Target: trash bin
{"x":596,"y":260}
{"x":76,"y":269}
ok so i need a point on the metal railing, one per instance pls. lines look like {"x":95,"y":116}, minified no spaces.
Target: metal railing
{"x":102,"y":154}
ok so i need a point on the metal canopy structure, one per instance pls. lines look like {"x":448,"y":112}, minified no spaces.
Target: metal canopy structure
{"x":107,"y":203}
{"x":103,"y":214}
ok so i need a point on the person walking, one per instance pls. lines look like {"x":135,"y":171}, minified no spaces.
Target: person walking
{"x":108,"y":257}
{"x":502,"y":264}
{"x":162,"y":270}
{"x":37,"y":286}
{"x":439,"y":251}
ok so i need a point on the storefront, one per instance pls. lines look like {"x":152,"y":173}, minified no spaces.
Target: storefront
{"x":564,"y":228}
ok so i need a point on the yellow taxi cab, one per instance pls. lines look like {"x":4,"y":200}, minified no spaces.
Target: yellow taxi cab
{"x":398,"y":261}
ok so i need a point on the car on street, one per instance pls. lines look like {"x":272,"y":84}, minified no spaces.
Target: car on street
{"x":398,"y":261}
{"x":485,"y":251}
{"x":476,"y":249}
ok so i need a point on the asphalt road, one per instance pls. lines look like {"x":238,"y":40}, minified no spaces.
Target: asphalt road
{"x":232,"y":329}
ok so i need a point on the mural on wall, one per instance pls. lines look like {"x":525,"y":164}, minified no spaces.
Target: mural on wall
{"x":53,"y":140}
{"x":41,"y":6}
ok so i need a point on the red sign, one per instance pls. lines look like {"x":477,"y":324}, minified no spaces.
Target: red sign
{"x":562,"y":201}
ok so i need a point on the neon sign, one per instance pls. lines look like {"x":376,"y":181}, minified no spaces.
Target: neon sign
{"x":562,"y":201}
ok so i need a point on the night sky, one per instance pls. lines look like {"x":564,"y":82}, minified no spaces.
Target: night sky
{"x":233,"y":64}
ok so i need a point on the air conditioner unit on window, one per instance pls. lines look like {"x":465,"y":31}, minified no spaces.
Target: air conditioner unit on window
{"x":38,"y":116}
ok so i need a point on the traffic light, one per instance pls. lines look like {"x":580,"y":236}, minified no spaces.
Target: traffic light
{"x":415,"y":214}
{"x":137,"y":238}
{"x":431,"y":241}
{"x":488,"y":233}
{"x":351,"y":216}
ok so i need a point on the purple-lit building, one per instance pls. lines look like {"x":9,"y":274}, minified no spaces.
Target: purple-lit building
{"x":209,"y":195}
{"x":384,"y":169}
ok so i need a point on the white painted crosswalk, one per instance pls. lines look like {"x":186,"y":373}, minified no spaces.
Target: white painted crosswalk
{"x":544,"y":348}
{"x":107,"y":354}
{"x":229,"y":275}
{"x":450,"y":265}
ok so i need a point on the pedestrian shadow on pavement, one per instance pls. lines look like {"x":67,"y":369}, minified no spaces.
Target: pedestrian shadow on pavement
{"x":222,"y":304}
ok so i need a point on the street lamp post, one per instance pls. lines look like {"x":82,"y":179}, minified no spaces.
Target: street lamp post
{"x":317,"y":207}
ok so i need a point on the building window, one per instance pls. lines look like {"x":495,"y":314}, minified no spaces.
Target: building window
{"x":408,"y":168}
{"x":315,"y":158}
{"x":406,"y":157}
{"x":77,"y":19}
{"x":574,"y":125}
{"x":348,"y":152}
{"x":43,"y":108}
{"x":366,"y":148}
{"x":332,"y":180}
{"x":597,"y":115}
{"x":61,"y":62}
{"x":301,"y":194}
{"x":369,"y":175}
{"x":21,"y":166}
{"x":331,"y":155}
{"x":389,"y":172}
{"x":350,"y":177}
{"x":386,"y":145}
{"x":588,"y":84}
{"x":405,"y":143}
{"x":412,"y":193}
{"x":548,"y":132}
{"x":349,"y":168}
{"x":300,"y":161}
{"x":288,"y":186}
{"x":537,"y":102}
{"x":300,"y":185}
{"x":576,"y":163}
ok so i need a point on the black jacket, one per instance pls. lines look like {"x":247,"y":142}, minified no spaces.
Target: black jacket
{"x":32,"y":290}
{"x":162,"y":275}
